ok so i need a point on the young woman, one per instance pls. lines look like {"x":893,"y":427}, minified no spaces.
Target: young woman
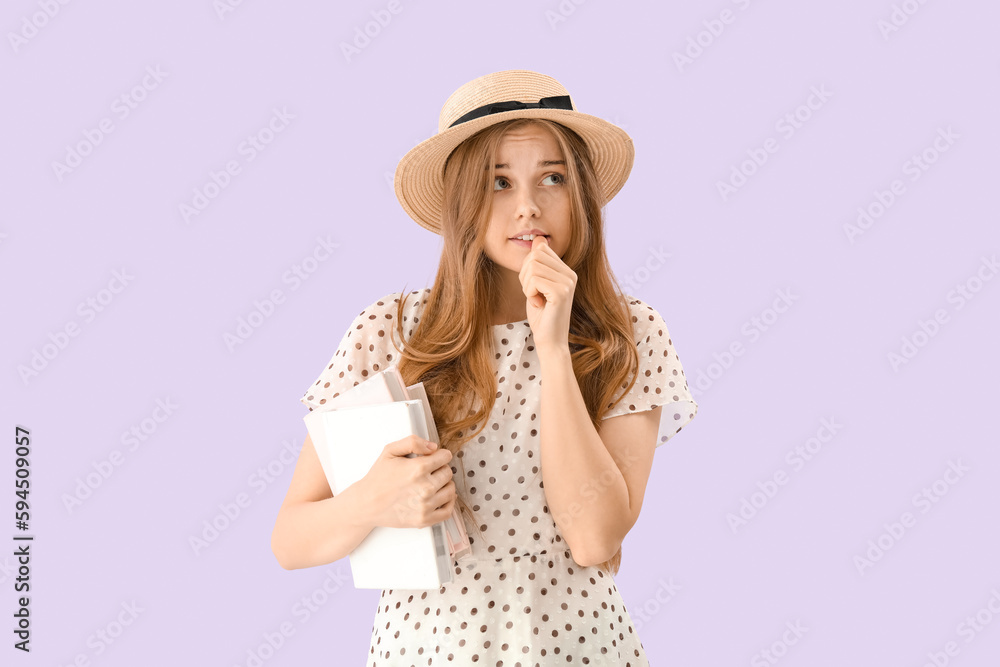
{"x":550,"y":475}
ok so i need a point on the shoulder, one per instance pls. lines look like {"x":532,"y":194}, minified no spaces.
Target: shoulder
{"x":382,"y":313}
{"x":390,"y":302}
{"x":646,"y":320}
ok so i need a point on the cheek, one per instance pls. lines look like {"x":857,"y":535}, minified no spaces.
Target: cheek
{"x":560,"y":204}
{"x":496,"y":229}
{"x":497,"y":218}
{"x":502,"y":206}
{"x":495,"y":241}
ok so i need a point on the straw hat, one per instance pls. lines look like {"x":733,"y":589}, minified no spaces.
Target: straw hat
{"x":491,"y":99}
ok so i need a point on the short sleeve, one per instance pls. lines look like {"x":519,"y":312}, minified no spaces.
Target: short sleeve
{"x":365,"y":349}
{"x":661,"y":380}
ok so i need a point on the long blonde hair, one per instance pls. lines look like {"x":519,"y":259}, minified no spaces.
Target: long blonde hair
{"x":450,"y":351}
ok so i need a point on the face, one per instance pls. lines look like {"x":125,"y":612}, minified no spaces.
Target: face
{"x":530,"y":192}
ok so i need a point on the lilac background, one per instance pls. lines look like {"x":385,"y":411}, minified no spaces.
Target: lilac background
{"x":328,"y":175}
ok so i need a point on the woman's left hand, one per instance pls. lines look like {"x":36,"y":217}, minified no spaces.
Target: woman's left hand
{"x":549,"y":286}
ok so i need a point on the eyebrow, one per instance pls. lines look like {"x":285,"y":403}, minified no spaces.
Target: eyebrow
{"x":542,"y":163}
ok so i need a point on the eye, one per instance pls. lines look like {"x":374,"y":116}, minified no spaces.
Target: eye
{"x":559,"y":178}
{"x":497,"y":180}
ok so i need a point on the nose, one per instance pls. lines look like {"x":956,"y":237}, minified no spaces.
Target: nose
{"x":527,"y":207}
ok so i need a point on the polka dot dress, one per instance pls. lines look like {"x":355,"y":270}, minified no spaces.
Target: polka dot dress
{"x":519,"y":599}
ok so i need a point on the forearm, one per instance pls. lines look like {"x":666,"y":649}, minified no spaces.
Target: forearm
{"x":320,"y":532}
{"x":585,"y":491}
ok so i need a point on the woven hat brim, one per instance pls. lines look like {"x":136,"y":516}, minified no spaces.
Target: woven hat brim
{"x":419,"y":177}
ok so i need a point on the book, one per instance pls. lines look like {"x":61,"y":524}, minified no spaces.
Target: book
{"x":386,"y":386}
{"x":458,"y":539}
{"x":354,"y":437}
{"x":349,"y":434}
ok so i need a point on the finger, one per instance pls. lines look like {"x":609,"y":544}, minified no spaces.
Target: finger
{"x":543,"y":287}
{"x":444,"y":461}
{"x":549,"y":273}
{"x":431,"y":462}
{"x":534,"y":297}
{"x":539,"y":253}
{"x":442,"y":513}
{"x":420,"y":494}
{"x":546,"y":256}
{"x":444,"y":495}
{"x":539,"y":246}
{"x":442,"y":475}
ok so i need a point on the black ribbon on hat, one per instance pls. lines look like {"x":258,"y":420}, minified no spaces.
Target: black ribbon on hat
{"x":554,"y":102}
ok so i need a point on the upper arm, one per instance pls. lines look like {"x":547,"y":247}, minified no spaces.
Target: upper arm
{"x":631,"y":441}
{"x":308,"y":480}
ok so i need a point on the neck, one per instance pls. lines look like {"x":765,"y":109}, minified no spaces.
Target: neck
{"x":511,"y":305}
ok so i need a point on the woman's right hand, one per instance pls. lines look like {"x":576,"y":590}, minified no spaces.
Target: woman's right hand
{"x":413,"y":492}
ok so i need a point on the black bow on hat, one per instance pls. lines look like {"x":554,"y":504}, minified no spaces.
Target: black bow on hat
{"x":554,"y":102}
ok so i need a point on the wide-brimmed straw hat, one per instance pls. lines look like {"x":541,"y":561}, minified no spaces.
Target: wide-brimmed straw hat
{"x":491,"y":99}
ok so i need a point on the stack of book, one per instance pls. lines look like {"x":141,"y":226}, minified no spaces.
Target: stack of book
{"x":349,"y":434}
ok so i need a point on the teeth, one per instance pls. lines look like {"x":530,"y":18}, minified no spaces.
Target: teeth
{"x":526,"y":237}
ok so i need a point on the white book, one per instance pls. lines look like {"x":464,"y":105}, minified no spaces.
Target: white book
{"x":349,"y":443}
{"x":351,"y":438}
{"x":454,"y":526}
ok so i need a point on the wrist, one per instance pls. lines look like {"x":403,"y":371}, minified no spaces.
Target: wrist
{"x":555,"y":356}
{"x":357,"y":511}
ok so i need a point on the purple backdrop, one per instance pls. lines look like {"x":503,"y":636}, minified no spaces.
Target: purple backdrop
{"x":812,"y":210}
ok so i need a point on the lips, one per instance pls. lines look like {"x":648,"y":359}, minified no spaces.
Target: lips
{"x":534,"y":232}
{"x":528,"y":244}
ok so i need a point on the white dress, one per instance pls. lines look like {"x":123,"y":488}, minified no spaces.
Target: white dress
{"x":519,"y":600}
